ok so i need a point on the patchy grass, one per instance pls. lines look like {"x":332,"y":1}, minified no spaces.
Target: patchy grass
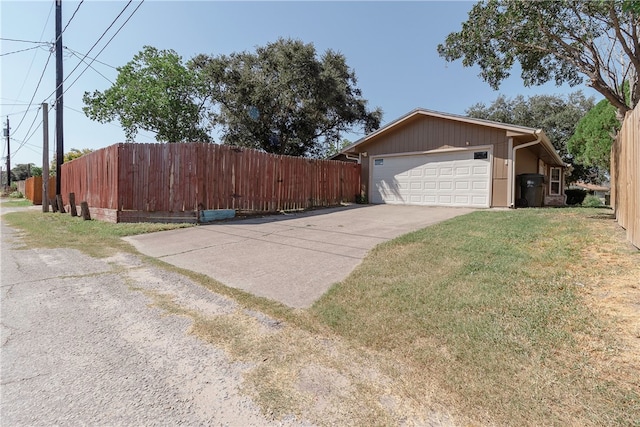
{"x":96,"y":238}
{"x":488,"y":307}
{"x":524,"y":317}
{"x":16,"y":203}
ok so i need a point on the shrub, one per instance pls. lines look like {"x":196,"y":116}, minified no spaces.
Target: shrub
{"x":592,"y":201}
{"x":16,"y":195}
{"x":575,"y":196}
{"x":362,"y":199}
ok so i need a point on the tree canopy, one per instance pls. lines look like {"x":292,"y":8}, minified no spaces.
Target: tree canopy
{"x":285,"y":99}
{"x":566,"y":41}
{"x":595,"y":132}
{"x":23,"y":171}
{"x":557,"y":115}
{"x":72,"y":154}
{"x":153,"y":92}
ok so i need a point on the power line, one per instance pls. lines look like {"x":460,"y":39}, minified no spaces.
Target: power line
{"x":107,"y":44}
{"x":77,"y":54}
{"x":89,"y":65}
{"x":26,"y":77}
{"x":94,"y":45}
{"x":18,"y":112}
{"x":23,"y":41}
{"x":73,"y":15}
{"x":35,"y":118}
{"x":18,"y":51}
{"x":35,"y":91}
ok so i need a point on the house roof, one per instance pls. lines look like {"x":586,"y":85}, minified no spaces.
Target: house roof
{"x":512,"y":130}
{"x":592,"y":187}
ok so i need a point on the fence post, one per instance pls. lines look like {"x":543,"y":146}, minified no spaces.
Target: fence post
{"x":84,"y":211}
{"x":72,"y":204}
{"x":59,"y":203}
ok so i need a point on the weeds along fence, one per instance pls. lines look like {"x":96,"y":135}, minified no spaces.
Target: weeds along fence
{"x":625,"y":176}
{"x":132,"y":182}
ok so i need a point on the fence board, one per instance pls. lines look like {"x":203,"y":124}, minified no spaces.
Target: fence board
{"x":33,"y":189}
{"x":625,"y":176}
{"x":174,"y":178}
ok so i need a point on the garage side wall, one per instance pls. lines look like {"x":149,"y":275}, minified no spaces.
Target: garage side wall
{"x":425,"y":133}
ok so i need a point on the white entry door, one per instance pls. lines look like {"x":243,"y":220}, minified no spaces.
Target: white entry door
{"x":460,"y":178}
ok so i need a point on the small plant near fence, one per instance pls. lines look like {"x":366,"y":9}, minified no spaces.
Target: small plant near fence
{"x":592,"y":201}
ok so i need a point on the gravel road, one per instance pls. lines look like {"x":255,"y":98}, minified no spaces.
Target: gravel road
{"x":81,"y":344}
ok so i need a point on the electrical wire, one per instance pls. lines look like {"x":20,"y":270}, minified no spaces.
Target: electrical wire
{"x":82,"y":61}
{"x":18,"y":51}
{"x":77,"y":54}
{"x":35,"y":118}
{"x":92,"y":47}
{"x":73,"y":15}
{"x":105,"y":46}
{"x":44,"y":28}
{"x":89,"y":65}
{"x":35,"y":91}
{"x":25,"y":41}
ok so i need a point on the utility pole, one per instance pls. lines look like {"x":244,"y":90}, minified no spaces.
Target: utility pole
{"x":45,"y":157}
{"x":6,"y":134}
{"x":59,"y":103}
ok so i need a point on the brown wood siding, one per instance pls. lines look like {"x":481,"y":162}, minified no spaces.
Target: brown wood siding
{"x":526,"y":162}
{"x":425,"y":133}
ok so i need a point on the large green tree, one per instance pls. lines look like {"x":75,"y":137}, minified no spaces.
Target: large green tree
{"x":591,"y":142}
{"x":154,"y":92}
{"x":565,"y":41}
{"x":557,"y":115}
{"x":23,"y":171}
{"x":284,"y":99}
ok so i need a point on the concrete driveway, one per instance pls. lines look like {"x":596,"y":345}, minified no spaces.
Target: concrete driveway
{"x":291,"y":258}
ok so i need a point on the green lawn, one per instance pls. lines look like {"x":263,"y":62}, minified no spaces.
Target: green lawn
{"x":488,"y":306}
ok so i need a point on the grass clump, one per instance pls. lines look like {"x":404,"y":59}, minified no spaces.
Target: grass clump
{"x":17,"y":202}
{"x":96,"y":238}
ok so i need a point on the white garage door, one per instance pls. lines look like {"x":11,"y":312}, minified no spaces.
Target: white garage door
{"x":459,"y":178}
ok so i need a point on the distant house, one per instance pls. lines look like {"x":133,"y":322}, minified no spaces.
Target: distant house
{"x":438,"y":159}
{"x":600,"y":191}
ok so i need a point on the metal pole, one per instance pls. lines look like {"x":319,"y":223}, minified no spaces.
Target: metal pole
{"x":45,"y":157}
{"x":59,"y":103}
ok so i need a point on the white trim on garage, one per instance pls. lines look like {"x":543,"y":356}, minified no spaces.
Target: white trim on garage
{"x":449,"y":177}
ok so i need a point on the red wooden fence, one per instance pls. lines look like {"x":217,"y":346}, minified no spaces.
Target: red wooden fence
{"x":134,"y":182}
{"x":33,"y":189}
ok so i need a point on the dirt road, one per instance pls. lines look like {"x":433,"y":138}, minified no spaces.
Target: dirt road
{"x":81,"y":345}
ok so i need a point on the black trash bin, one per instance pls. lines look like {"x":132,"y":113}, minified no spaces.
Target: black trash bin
{"x":531,"y":190}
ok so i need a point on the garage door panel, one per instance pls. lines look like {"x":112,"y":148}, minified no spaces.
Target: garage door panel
{"x":463,"y":171}
{"x":451,"y":179}
{"x":481,"y":170}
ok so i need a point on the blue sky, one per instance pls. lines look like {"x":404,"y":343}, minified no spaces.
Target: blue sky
{"x":390,"y":45}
